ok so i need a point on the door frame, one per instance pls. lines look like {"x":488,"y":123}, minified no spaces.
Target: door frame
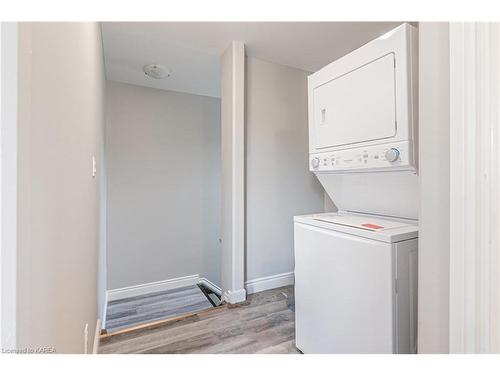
{"x":474,"y":186}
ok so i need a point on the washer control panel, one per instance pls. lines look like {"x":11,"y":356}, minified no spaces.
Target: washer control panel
{"x":388,"y":156}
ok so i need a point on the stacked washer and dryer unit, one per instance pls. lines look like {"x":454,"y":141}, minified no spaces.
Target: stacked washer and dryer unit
{"x":356,"y":268}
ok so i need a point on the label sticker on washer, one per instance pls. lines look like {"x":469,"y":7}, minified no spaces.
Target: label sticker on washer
{"x":372,"y":226}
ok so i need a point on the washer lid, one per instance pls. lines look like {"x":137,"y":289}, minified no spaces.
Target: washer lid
{"x":367,"y":226}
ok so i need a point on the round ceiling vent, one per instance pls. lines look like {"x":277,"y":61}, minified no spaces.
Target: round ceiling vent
{"x":156,"y":71}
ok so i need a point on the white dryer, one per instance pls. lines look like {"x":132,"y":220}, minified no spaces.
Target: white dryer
{"x":356,"y":284}
{"x":356,"y":269}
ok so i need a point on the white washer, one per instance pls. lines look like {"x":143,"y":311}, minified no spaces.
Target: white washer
{"x":355,"y":284}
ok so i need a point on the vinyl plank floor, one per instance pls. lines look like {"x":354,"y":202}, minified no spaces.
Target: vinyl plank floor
{"x":128,"y":312}
{"x":265,"y":323}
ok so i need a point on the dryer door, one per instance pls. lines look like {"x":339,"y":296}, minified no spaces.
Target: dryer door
{"x":358,"y":106}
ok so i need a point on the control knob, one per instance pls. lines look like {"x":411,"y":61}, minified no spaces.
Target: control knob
{"x":392,"y":154}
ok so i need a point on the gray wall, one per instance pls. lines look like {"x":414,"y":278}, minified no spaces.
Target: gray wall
{"x":278,"y":182}
{"x":434,"y":174}
{"x":163,"y":186}
{"x":61,"y":116}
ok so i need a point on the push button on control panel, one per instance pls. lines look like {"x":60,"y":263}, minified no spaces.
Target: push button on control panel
{"x":315,"y":163}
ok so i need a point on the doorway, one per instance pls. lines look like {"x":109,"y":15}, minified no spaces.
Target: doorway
{"x":165,"y":173}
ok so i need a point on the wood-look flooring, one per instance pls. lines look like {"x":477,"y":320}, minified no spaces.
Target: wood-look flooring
{"x":129,"y":312}
{"x":265,"y":323}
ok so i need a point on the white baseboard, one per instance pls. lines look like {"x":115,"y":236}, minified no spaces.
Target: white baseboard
{"x":157,"y":286}
{"x":210,"y":285}
{"x":105,"y":311}
{"x":235,"y":296}
{"x":97,"y":334}
{"x":269,"y":282}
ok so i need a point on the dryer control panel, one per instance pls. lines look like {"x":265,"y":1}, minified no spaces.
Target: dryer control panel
{"x":379,"y":157}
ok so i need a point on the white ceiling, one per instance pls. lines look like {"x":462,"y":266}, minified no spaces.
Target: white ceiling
{"x":191,"y":49}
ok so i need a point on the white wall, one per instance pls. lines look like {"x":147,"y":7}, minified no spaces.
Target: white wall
{"x":60,"y":121}
{"x":8,"y":186}
{"x":278,"y":182}
{"x":434,"y":171}
{"x":163,"y":185}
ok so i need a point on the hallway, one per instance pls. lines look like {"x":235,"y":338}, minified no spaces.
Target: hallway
{"x":265,"y":323}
